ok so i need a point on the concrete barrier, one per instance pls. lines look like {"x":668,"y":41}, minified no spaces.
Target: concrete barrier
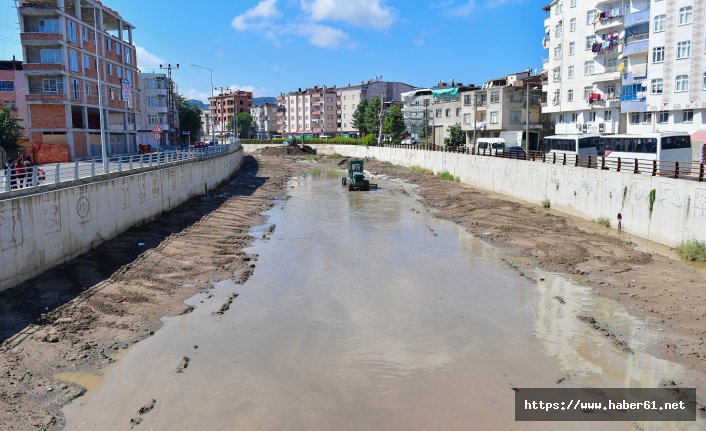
{"x":41,"y":230}
{"x":677,"y":213}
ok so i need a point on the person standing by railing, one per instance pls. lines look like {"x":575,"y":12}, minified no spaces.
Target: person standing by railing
{"x":20,"y":171}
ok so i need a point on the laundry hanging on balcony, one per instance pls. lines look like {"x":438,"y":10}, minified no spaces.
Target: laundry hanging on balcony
{"x":609,"y":14}
{"x":607,"y":41}
{"x":594,"y":97}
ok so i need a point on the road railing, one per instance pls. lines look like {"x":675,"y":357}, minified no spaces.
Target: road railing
{"x":38,"y":175}
{"x":672,"y":169}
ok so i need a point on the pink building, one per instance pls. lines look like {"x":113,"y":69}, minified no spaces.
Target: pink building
{"x":12,"y":88}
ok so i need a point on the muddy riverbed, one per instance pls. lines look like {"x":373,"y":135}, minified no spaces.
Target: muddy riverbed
{"x":366,"y":311}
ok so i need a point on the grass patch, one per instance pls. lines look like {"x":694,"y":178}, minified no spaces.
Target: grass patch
{"x":446,"y":176}
{"x":546,"y":204}
{"x":693,"y":250}
{"x":421,"y":170}
{"x":603,"y":221}
{"x":652,"y":197}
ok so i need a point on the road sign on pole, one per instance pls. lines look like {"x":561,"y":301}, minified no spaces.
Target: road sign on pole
{"x":157,"y":136}
{"x":157,"y":129}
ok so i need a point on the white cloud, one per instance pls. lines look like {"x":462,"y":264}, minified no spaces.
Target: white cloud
{"x":324,"y":36}
{"x":361,"y":13}
{"x":146,"y":60}
{"x":253,"y":17}
{"x":453,"y":9}
{"x":193,"y":93}
{"x":256,"y":91}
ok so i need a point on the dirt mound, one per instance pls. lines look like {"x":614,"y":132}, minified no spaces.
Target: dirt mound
{"x":291,"y":150}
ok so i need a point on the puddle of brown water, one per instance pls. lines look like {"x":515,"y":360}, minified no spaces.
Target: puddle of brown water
{"x":365,"y":313}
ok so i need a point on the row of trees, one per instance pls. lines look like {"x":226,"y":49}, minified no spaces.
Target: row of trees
{"x":10,"y":131}
{"x":366,"y":119}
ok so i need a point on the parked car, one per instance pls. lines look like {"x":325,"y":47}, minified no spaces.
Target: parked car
{"x":514,"y":152}
{"x":410,"y":141}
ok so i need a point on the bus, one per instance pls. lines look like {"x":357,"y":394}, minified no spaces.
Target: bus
{"x":665,"y":147}
{"x":582,"y":145}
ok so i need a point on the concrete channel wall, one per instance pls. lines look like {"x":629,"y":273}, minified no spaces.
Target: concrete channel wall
{"x":678,"y":212}
{"x":41,"y":230}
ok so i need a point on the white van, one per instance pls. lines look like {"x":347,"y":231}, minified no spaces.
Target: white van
{"x":490,"y":145}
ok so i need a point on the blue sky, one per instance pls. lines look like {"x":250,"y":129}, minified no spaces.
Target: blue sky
{"x":273,"y":46}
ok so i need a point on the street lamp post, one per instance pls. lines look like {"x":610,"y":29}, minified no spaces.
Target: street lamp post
{"x":213,"y":131}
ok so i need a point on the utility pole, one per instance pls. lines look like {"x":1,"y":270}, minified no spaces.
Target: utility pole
{"x":382,"y":109}
{"x":475,"y":120}
{"x":99,"y":71}
{"x":171,"y":103}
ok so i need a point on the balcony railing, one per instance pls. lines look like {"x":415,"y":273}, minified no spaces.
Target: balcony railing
{"x":637,"y":18}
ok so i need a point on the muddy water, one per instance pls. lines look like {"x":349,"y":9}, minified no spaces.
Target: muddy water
{"x":366,"y":313}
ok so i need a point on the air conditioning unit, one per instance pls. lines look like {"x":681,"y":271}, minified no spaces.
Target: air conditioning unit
{"x":585,"y":128}
{"x":601,"y":128}
{"x":578,"y":126}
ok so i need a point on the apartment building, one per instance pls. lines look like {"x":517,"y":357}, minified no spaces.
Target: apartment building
{"x":664,"y":82}
{"x":502,"y":108}
{"x":65,"y":67}
{"x":585,"y":42}
{"x":416,"y":110}
{"x":648,"y":66}
{"x":12,"y":89}
{"x":309,"y":112}
{"x":264,"y":120}
{"x":153,"y":109}
{"x":225,"y":107}
{"x":350,"y":96}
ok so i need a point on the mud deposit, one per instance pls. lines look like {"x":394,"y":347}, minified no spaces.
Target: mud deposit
{"x":61,"y":328}
{"x":366,"y":312}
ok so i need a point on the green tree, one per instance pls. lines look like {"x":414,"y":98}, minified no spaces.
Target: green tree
{"x":189,"y":116}
{"x":243,"y":126}
{"x":372,"y":116}
{"x":10,"y":130}
{"x":393,"y":125}
{"x":359,"y":117}
{"x":456,"y":136}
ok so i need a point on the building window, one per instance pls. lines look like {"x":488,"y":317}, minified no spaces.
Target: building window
{"x":109,"y":44}
{"x":572,"y":24}
{"x":7,"y":86}
{"x":53,"y":85}
{"x":515,"y":116}
{"x":589,"y":68}
{"x":586,"y":92}
{"x":660,"y":21}
{"x":448,"y":113}
{"x":458,"y":112}
{"x":687,"y":116}
{"x":437,"y":113}
{"x":590,"y":40}
{"x":128,"y":55}
{"x":119,"y":72}
{"x":592,"y":116}
{"x":71,"y":31}
{"x":611,"y":65}
{"x":635,"y":118}
{"x":647,"y":118}
{"x":607,"y":115}
{"x":110,"y":68}
{"x":559,"y":29}
{"x":73,"y":60}
{"x":575,"y":117}
{"x":86,"y":61}
{"x":658,"y":54}
{"x":128,"y":76}
{"x":48,"y":26}
{"x":557,"y":52}
{"x":50,"y":56}
{"x":663,"y":117}
{"x":570,"y":72}
{"x":555,"y":98}
{"x":561,"y":118}
{"x":682,"y":83}
{"x":85,"y":35}
{"x":657,"y":85}
{"x":88,"y":89}
{"x":572,"y":48}
{"x":570,"y":95}
{"x":683,"y":49}
{"x":704,"y":80}
{"x":686,"y":15}
{"x":495,"y":96}
{"x":494,"y":117}
{"x":75,"y":89}
{"x":111,"y":93}
{"x":556,"y":75}
{"x":572,"y":3}
{"x":118,"y":48}
{"x":590,"y":17}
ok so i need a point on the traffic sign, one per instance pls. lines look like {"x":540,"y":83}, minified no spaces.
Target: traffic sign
{"x":157,"y":136}
{"x":186,"y":132}
{"x":156,"y":129}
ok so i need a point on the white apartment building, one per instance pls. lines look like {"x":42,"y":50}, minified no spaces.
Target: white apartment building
{"x":312,"y":112}
{"x":585,"y":43}
{"x":630,"y":66}
{"x":153,"y":108}
{"x":349,"y":97}
{"x":264,"y":120}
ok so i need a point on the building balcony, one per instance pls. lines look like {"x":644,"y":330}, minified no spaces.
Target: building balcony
{"x":637,"y":18}
{"x":616,"y":49}
{"x":316,"y":113}
{"x":608,"y":24}
{"x":31,"y":39}
{"x":47,"y":98}
{"x":637,"y":44}
{"x":630,"y":78}
{"x":44,"y":67}
{"x":628,"y":106}
{"x":610,"y":74}
{"x":609,"y":102}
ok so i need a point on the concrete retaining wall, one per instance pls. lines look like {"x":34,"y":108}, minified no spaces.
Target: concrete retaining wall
{"x":678,"y":212}
{"x":41,"y":230}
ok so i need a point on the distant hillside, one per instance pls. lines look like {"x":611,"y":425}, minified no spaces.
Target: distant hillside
{"x":198,"y":103}
{"x":257,"y":101}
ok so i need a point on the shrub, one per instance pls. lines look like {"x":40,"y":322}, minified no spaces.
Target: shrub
{"x":446,"y":176}
{"x":546,"y":203}
{"x":368,"y":140}
{"x":693,"y":250}
{"x":603,"y":221}
{"x":421,"y":170}
{"x":652,"y":197}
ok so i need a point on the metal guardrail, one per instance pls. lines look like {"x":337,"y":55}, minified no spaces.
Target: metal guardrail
{"x":694,"y":171}
{"x":39,"y":175}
